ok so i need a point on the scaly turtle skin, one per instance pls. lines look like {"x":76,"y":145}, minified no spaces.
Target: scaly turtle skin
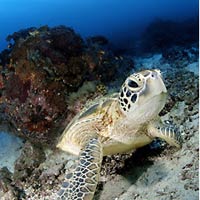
{"x":114,"y":124}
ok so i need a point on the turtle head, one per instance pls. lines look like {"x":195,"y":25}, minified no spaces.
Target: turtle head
{"x":143,"y":95}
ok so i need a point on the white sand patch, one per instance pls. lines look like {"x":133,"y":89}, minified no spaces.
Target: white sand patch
{"x":10,"y":149}
{"x":194,"y":67}
{"x":149,"y":62}
{"x":153,"y":62}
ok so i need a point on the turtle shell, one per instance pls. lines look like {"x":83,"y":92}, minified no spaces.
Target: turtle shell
{"x":94,"y":108}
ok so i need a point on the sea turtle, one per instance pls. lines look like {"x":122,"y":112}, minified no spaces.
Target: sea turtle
{"x":115,"y":124}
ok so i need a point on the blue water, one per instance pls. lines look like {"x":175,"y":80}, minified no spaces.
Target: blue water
{"x":116,"y":19}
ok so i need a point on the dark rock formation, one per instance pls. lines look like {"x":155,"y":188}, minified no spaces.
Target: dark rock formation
{"x":162,"y":34}
{"x":39,"y":72}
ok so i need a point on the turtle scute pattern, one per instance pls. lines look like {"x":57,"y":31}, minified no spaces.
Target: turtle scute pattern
{"x":81,"y":183}
{"x":173,"y":133}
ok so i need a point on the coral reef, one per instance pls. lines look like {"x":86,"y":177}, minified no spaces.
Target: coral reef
{"x":124,"y":177}
{"x":43,"y":68}
{"x":45,"y":82}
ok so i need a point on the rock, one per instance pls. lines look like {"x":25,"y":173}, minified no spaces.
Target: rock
{"x":41,"y":70}
{"x":7,"y":190}
{"x":29,"y":160}
{"x":163,"y":34}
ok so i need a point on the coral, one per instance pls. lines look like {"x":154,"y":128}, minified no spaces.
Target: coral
{"x":17,"y":89}
{"x":22,"y":34}
{"x":43,"y":68}
{"x":65,"y":40}
{"x":1,"y":85}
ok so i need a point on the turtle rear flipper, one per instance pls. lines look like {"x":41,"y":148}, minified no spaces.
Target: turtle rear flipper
{"x":170,"y":133}
{"x":81,"y":183}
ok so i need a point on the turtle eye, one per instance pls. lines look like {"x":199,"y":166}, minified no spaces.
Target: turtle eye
{"x":154,"y":75}
{"x":132,"y":84}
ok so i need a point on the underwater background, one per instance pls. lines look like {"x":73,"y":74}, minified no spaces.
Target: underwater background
{"x":119,"y":21}
{"x":58,"y":55}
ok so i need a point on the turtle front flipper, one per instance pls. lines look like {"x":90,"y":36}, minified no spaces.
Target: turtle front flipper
{"x":168,"y":132}
{"x":82,"y":182}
